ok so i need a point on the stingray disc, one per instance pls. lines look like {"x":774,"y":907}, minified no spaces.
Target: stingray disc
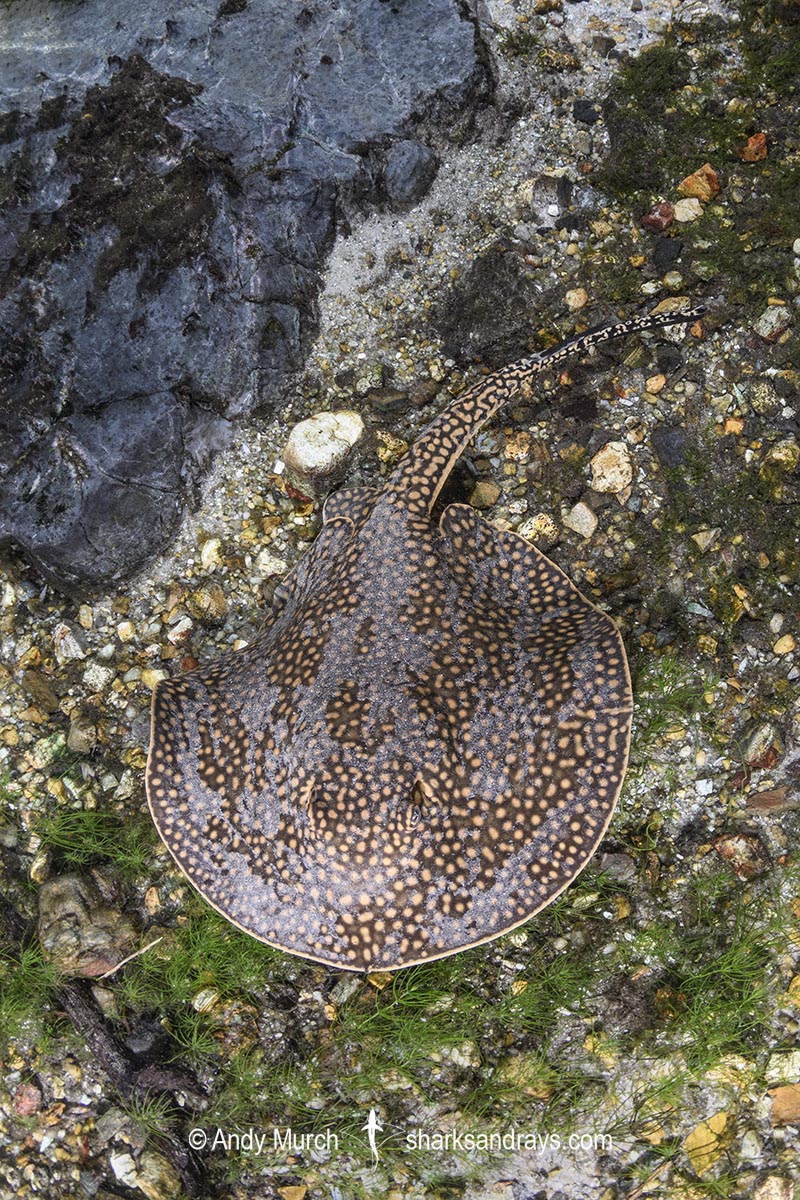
{"x":422,"y":748}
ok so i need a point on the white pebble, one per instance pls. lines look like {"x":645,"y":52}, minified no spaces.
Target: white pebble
{"x":581,"y":519}
{"x":612,"y":470}
{"x":66,"y":645}
{"x":688,"y":210}
{"x":318,"y":445}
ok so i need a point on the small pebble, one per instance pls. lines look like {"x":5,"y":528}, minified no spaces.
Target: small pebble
{"x":660,"y":217}
{"x":703,"y":184}
{"x":484,"y":494}
{"x":78,"y":931}
{"x":124,"y":1168}
{"x":210,"y":554}
{"x":612,"y":470}
{"x":774,"y":321}
{"x":268,"y":564}
{"x":775,"y":1187}
{"x":688,"y":210}
{"x":763,"y":742}
{"x":85,"y":616}
{"x":754,"y":149}
{"x":750,"y":1145}
{"x":785,"y":644}
{"x":783,"y":1067}
{"x":744,"y":853}
{"x":704,"y":538}
{"x":541,"y":529}
{"x":66,"y":644}
{"x":205,"y":1000}
{"x":156,"y":1178}
{"x":577,"y":298}
{"x":82,"y":736}
{"x":763,"y":397}
{"x":180,"y":631}
{"x":784,"y":455}
{"x":208,"y":604}
{"x":585,"y":111}
{"x":98,"y":678}
{"x":465,"y":1055}
{"x":27,"y":1100}
{"x":581,"y":519}
{"x":151,"y":676}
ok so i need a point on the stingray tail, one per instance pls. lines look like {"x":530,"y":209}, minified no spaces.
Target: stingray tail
{"x":418,"y":479}
{"x":604,"y":333}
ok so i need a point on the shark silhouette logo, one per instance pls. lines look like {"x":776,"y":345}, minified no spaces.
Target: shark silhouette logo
{"x":372,"y":1127}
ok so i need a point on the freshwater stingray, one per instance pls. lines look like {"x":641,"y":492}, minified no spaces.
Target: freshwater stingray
{"x":424,"y":744}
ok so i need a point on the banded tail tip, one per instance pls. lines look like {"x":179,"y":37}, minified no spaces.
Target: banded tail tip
{"x":604,"y":333}
{"x":681,"y":316}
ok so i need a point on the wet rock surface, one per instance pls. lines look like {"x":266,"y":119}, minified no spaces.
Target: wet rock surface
{"x":168,"y":204}
{"x":410,"y":167}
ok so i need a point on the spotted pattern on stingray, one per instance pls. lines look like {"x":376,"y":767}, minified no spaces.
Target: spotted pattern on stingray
{"x":426,"y":741}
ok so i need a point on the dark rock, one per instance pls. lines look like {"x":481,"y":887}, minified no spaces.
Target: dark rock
{"x":168,"y":1078}
{"x":489,"y":312}
{"x":171,"y":188}
{"x":669,"y":444}
{"x":580,"y":403}
{"x":788,"y":11}
{"x":40,"y":690}
{"x":389,"y":400}
{"x":669,"y":358}
{"x":410,"y":168}
{"x":606,"y":46}
{"x":776,"y":800}
{"x":666,"y":251}
{"x":585,"y":112}
{"x":98,"y":491}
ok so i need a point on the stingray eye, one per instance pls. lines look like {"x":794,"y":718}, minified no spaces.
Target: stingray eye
{"x":280,"y":596}
{"x":414,"y":816}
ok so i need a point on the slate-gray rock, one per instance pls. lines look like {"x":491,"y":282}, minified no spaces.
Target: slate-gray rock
{"x":669,"y":444}
{"x":585,"y":111}
{"x":98,"y":490}
{"x":410,"y":168}
{"x":666,"y":251}
{"x":172,"y":183}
